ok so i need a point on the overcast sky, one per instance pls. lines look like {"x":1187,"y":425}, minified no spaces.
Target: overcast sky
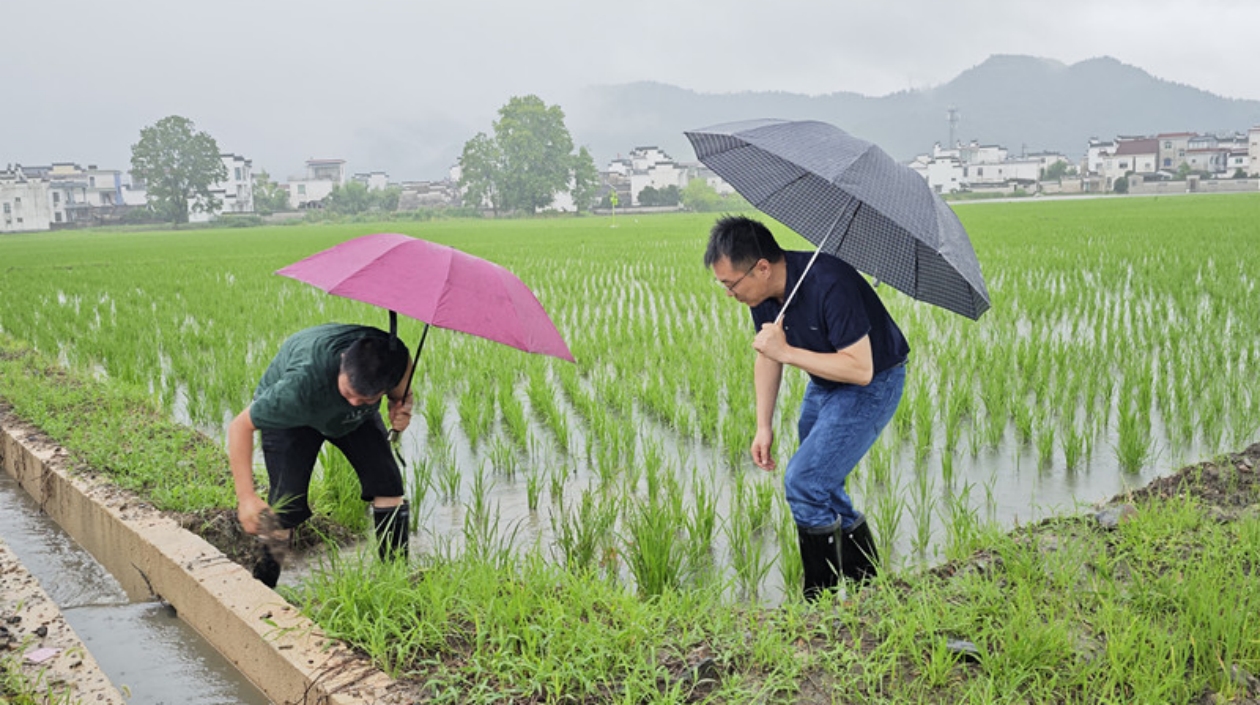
{"x":280,"y":81}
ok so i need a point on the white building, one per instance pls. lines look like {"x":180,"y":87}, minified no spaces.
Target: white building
{"x":1213,"y":160}
{"x":373,"y":180}
{"x":1132,"y":156}
{"x":321,"y":176}
{"x":649,"y":166}
{"x":1172,"y":148}
{"x":69,"y":194}
{"x":948,"y":170}
{"x":24,"y":203}
{"x":1094,"y":154}
{"x":944,"y":174}
{"x":235,"y":194}
{"x":1253,"y":150}
{"x":714,"y":181}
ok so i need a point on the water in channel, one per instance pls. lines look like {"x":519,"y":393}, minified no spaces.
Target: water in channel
{"x":147,"y":652}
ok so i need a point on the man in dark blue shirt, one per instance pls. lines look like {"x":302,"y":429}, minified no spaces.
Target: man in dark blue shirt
{"x":836,"y":329}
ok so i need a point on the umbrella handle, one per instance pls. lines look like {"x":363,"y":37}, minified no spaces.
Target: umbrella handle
{"x":395,"y":436}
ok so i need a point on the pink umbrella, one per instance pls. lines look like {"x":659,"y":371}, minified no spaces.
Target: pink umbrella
{"x":436,"y":284}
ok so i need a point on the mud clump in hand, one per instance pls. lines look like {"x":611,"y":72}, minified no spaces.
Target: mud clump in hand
{"x":273,"y":536}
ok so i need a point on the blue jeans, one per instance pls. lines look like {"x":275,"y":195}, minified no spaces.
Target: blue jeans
{"x":837,"y":426}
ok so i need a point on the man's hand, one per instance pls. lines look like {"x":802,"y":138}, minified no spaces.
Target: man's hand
{"x":761,"y":445}
{"x":771,"y":341}
{"x":400,"y":413}
{"x":248,"y":509}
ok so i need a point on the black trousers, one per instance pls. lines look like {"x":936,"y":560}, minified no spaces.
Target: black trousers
{"x":290,"y":454}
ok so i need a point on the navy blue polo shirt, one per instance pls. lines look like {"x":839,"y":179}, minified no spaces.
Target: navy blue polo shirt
{"x":834,"y":308}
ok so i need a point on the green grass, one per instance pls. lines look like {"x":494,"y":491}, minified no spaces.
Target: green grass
{"x":27,"y":686}
{"x":1159,"y":610}
{"x":117,"y":432}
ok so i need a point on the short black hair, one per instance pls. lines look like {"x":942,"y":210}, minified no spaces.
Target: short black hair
{"x":374,"y":364}
{"x":741,"y":240}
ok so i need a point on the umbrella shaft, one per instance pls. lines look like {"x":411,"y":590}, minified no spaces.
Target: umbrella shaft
{"x":800,"y":279}
{"x":416,"y":362}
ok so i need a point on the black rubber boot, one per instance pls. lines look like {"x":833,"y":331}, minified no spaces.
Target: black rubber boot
{"x":267,"y":569}
{"x":858,"y":556}
{"x":393,"y":531}
{"x":820,"y":559}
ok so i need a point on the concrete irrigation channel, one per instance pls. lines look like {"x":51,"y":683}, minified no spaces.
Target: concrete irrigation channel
{"x":162,"y":571}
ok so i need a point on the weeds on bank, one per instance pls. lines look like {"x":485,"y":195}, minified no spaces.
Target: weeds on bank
{"x":117,"y":432}
{"x":18,"y":687}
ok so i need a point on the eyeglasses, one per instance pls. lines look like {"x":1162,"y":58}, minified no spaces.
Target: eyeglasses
{"x":732,"y":285}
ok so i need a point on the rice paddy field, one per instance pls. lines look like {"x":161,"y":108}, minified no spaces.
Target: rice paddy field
{"x":1122,"y":344}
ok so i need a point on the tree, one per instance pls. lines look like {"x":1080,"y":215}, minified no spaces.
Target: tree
{"x":525,"y":164}
{"x":700,"y":197}
{"x":1239,"y":173}
{"x":481,"y":170}
{"x":268,"y":196}
{"x":585,"y":180}
{"x":350,"y":198}
{"x":386,"y":199}
{"x":535,"y":147}
{"x":1056,"y":171}
{"x":652,"y":196}
{"x":670,"y":195}
{"x":1122,"y":185}
{"x":178,"y":167}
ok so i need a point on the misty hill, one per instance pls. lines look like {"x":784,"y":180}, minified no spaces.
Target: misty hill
{"x":1019,"y":102}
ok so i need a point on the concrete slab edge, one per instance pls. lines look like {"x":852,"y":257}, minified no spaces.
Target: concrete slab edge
{"x":41,"y":644}
{"x":283,"y":653}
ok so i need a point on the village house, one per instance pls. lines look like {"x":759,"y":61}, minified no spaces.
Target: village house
{"x":373,"y":180}
{"x":62,"y":194}
{"x":977,"y":167}
{"x":1253,"y":151}
{"x":1140,"y":156}
{"x":321,"y":176}
{"x":235,"y":193}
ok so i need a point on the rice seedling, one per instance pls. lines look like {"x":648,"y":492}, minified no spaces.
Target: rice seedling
{"x":652,"y":546}
{"x":533,"y":487}
{"x":1134,"y":442}
{"x":886,"y":517}
{"x":434,"y":411}
{"x":1045,"y":433}
{"x":503,"y":458}
{"x":513,"y":414}
{"x":924,"y":491}
{"x":582,"y":536}
{"x":701,"y":523}
{"x":449,"y":476}
{"x":337,"y":492}
{"x":962,"y":525}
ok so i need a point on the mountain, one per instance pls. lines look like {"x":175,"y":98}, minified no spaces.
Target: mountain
{"x":1020,"y":102}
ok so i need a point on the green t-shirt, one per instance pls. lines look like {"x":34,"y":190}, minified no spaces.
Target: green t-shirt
{"x":299,"y":387}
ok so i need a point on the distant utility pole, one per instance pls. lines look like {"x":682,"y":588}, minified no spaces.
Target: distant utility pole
{"x":952,"y":115}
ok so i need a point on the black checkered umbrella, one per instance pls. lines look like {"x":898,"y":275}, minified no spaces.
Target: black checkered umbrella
{"x":851,"y":199}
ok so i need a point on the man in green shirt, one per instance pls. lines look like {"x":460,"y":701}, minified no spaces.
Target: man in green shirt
{"x":325,"y":384}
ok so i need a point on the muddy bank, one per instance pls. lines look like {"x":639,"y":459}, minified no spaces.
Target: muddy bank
{"x":36,"y":640}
